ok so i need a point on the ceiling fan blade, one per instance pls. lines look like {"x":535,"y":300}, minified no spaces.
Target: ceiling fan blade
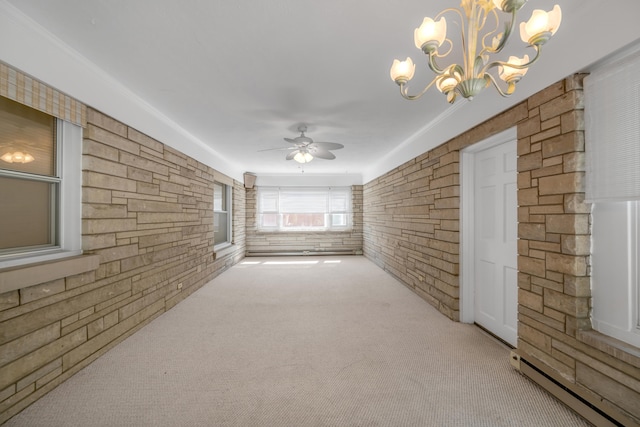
{"x":322,"y":154}
{"x":292,"y":154}
{"x":278,"y":149}
{"x":293,"y":141}
{"x":327,"y":145}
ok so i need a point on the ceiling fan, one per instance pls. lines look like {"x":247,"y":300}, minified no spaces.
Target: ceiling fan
{"x":304,"y":149}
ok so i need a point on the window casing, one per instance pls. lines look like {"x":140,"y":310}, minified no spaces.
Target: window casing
{"x":304,"y":209}
{"x":222,"y":215}
{"x":41,"y":199}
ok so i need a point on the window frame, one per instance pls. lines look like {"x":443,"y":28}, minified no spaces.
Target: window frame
{"x":615,"y":208}
{"x":69,"y":195}
{"x":228,"y":201}
{"x":328,"y":193}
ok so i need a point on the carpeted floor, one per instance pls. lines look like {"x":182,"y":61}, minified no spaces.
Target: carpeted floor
{"x":306,"y":341}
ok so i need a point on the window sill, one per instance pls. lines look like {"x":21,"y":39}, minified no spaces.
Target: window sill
{"x":612,"y":346}
{"x":224,"y":250}
{"x":23,"y":276}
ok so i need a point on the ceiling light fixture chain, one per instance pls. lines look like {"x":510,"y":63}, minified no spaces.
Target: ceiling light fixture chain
{"x":473,"y":76}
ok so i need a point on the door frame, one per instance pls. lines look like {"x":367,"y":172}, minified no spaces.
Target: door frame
{"x":467,"y":219}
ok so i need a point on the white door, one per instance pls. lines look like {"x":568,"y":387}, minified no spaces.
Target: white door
{"x":494,"y":272}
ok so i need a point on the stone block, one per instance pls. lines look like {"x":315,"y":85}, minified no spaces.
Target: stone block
{"x":562,"y":184}
{"x":33,"y":293}
{"x":530,"y":161}
{"x":568,"y":304}
{"x":96,"y":164}
{"x":530,"y":300}
{"x":100,"y":226}
{"x":9,"y":300}
{"x":568,"y":224}
{"x":531,"y":266}
{"x":528,"y":197}
{"x":25,"y":344}
{"x":111,"y":139}
{"x":107,"y":182}
{"x":27,"y":364}
{"x":567,"y":264}
{"x":559,"y":105}
{"x":563,"y":144}
{"x":94,"y":211}
{"x":98,"y":119}
{"x":576,"y":245}
{"x":531,"y":231}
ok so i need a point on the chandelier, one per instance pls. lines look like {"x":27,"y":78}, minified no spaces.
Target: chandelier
{"x":17,"y":157}
{"x":479,"y":42}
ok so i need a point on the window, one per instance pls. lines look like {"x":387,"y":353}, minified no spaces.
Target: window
{"x":221,"y":215}
{"x":304,"y":209}
{"x":612,"y":133}
{"x":39,"y":186}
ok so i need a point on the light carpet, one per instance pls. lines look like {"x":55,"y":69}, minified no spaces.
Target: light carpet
{"x":301,"y":341}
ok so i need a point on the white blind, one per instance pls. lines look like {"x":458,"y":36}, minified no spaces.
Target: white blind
{"x":287,"y":208}
{"x":612,"y":131}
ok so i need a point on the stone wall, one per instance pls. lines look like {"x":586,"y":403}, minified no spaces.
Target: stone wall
{"x":148,"y":221}
{"x":258,"y":241}
{"x":412,"y":230}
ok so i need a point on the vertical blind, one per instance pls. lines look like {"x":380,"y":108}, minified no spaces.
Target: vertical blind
{"x":612,"y":131}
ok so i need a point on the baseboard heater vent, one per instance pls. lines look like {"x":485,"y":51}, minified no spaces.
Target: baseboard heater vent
{"x":310,"y":252}
{"x":588,"y":410}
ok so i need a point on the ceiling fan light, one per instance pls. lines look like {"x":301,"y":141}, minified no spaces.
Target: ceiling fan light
{"x":301,"y":157}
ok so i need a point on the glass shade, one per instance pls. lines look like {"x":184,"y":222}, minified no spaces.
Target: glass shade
{"x":303,"y":157}
{"x":507,"y":73}
{"x":430,"y":32}
{"x":402,"y":71}
{"x":541,"y":22}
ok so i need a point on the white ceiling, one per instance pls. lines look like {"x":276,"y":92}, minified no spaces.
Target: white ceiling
{"x":234,"y":77}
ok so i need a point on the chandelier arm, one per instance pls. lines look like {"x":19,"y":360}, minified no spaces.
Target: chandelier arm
{"x":489,"y":48}
{"x":510,"y":89}
{"x":517,"y":67}
{"x":404,"y":90}
{"x":432,"y":63}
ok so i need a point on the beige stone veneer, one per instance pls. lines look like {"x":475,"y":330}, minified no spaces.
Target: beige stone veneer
{"x":147,"y":216}
{"x":412,"y":230}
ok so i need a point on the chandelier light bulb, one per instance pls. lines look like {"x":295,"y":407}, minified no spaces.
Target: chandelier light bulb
{"x":541,"y":26}
{"x":402,"y":71}
{"x":430,"y":35}
{"x":509,"y":74}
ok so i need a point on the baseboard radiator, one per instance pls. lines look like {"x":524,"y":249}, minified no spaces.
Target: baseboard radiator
{"x":598,"y":413}
{"x":300,"y":252}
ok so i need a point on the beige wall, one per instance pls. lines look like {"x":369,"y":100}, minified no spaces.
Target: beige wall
{"x":147,"y":215}
{"x":261,"y":242}
{"x":412,"y":230}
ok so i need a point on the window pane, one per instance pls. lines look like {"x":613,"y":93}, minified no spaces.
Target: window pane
{"x":219,"y":196}
{"x":27,"y":139}
{"x":339,"y":220}
{"x":269,"y":201}
{"x":303,"y":220}
{"x":269,"y":220}
{"x":27,"y":214}
{"x":220,"y":229}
